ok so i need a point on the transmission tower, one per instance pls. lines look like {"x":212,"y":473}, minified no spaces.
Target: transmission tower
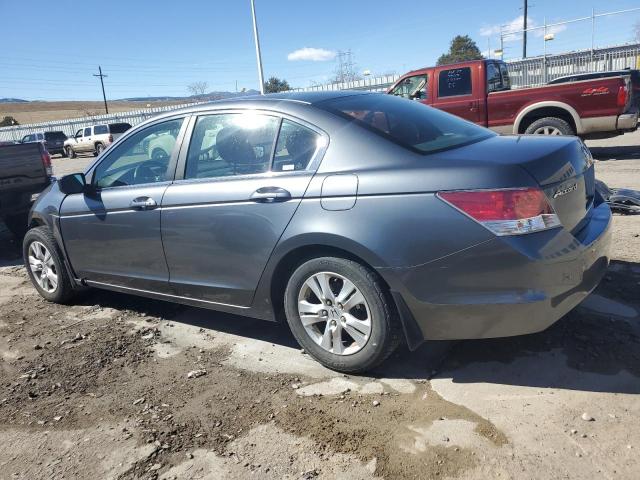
{"x":346,"y":68}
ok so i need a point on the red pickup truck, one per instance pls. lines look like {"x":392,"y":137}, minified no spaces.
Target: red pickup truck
{"x":480,"y":91}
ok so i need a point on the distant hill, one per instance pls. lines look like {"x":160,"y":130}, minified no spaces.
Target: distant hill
{"x":12,"y":100}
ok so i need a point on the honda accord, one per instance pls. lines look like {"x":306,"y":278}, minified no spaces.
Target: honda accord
{"x":360,"y":219}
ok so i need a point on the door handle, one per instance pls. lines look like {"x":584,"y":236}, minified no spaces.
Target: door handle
{"x":270,"y":195}
{"x":143,"y":203}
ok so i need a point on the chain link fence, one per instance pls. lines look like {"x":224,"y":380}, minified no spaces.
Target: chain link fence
{"x":540,"y":70}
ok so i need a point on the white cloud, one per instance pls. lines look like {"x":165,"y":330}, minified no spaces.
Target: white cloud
{"x":311,"y":54}
{"x":512,"y":30}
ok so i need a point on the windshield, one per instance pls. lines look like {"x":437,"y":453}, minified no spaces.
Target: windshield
{"x":408,"y":123}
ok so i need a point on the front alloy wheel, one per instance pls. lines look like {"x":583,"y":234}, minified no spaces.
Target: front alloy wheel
{"x":42,"y":267}
{"x":45,"y":266}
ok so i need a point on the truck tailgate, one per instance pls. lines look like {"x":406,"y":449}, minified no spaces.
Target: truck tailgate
{"x":22,"y":168}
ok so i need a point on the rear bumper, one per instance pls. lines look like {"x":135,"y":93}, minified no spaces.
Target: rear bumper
{"x":505,"y":286}
{"x":628,"y":121}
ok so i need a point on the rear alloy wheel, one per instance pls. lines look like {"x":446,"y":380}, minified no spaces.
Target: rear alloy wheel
{"x":550,"y":126}
{"x":70,"y":152}
{"x":45,"y":267}
{"x":99,"y":149}
{"x":339,"y":311}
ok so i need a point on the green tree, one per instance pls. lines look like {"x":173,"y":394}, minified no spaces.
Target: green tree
{"x":462,"y":48}
{"x":275,"y":85}
{"x":8,"y":121}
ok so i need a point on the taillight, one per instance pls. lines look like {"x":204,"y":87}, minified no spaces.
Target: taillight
{"x":623,"y":94}
{"x":506,"y":212}
{"x":110,"y":138}
{"x":46,"y":161}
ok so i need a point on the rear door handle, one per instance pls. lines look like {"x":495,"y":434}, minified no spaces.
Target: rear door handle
{"x":143,"y":203}
{"x":270,"y":195}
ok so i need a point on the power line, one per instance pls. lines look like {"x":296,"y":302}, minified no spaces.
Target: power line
{"x":104,"y":95}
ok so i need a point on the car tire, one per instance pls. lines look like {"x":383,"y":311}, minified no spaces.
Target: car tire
{"x":17,"y":224}
{"x":71,"y":153}
{"x":549,"y":126}
{"x":41,"y":240}
{"x":63,"y":153}
{"x":99,"y":148}
{"x":376,"y":310}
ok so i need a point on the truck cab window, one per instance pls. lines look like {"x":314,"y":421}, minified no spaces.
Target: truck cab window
{"x":454,"y":82}
{"x":497,"y":78}
{"x":413,"y":88}
{"x":506,"y":82}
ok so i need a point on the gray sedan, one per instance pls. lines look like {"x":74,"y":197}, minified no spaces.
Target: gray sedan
{"x":362,"y":219}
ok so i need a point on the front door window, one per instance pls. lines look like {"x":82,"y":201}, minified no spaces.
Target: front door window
{"x":142,"y":158}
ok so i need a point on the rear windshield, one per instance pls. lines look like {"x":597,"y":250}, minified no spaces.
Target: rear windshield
{"x":119,"y":127}
{"x":54,"y":136}
{"x":409,"y":123}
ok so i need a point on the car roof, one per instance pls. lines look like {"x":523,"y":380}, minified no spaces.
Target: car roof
{"x":309,"y":98}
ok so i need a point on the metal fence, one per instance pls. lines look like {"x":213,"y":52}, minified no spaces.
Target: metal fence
{"x":372,"y":84}
{"x":540,"y":70}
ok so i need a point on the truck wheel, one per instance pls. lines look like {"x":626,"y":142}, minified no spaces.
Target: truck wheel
{"x":550,"y":126}
{"x":45,"y":267}
{"x":341,"y":314}
{"x":71,"y":153}
{"x":17,"y":224}
{"x":99,"y":149}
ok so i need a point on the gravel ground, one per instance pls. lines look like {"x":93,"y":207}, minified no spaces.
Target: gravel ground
{"x":101,"y":389}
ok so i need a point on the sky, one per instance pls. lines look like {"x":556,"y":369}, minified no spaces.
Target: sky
{"x":157,"y":48}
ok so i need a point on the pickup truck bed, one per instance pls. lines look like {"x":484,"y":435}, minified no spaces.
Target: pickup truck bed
{"x":25,"y":170}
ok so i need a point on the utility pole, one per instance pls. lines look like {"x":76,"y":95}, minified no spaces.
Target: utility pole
{"x":524,"y":36}
{"x":104,"y":96}
{"x":258,"y":55}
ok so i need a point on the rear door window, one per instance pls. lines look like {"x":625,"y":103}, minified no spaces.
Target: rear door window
{"x":87,"y":132}
{"x":454,"y":82}
{"x":295,"y":148}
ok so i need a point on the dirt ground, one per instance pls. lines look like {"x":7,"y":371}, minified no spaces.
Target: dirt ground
{"x":101,"y":389}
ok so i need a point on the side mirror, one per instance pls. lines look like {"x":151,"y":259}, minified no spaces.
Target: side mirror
{"x":74,"y":183}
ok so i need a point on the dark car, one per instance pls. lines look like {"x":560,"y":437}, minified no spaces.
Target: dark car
{"x":361,"y":218}
{"x":52,"y":141}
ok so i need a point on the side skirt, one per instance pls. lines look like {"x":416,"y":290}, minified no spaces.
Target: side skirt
{"x":167,"y":297}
